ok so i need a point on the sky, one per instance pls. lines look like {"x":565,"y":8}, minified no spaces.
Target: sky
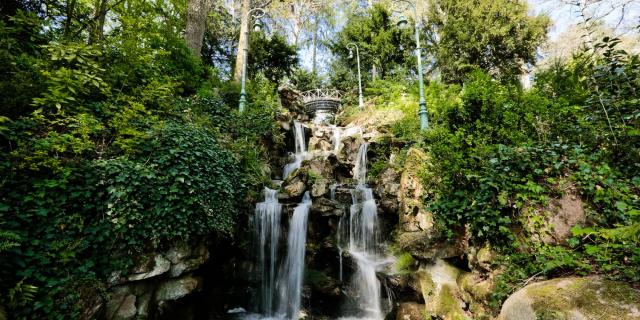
{"x":564,"y":15}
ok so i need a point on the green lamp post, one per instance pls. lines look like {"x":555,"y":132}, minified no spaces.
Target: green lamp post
{"x":424,"y":117}
{"x":254,"y":14}
{"x":360,"y":97}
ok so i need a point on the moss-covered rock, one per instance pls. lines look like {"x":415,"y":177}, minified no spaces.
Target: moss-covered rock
{"x":573,"y":298}
{"x":438,"y":282}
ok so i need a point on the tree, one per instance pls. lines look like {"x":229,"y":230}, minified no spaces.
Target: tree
{"x":271,"y":56}
{"x":381,"y":42}
{"x":243,"y":41}
{"x":497,"y":36}
{"x":196,"y":24}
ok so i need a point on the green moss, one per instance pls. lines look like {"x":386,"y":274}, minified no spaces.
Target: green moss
{"x":554,"y":299}
{"x":316,"y":278}
{"x":404,"y":263}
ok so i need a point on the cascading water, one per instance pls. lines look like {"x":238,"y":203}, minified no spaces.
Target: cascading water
{"x":364,"y":241}
{"x":267,"y":227}
{"x":292,"y":273}
{"x":288,"y":287}
{"x":300,"y":152}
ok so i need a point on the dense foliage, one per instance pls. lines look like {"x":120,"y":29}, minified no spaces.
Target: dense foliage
{"x":502,"y":153}
{"x":106,"y":152}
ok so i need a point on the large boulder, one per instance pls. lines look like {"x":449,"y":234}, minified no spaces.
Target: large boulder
{"x":175,"y":289}
{"x":153,"y":266}
{"x":165,"y":276}
{"x":439,"y":286}
{"x":573,"y":299}
{"x":322,"y":139}
{"x":295,"y":185}
{"x":185,"y":258}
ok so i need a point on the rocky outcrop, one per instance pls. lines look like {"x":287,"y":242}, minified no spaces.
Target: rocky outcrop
{"x":573,"y":299}
{"x":558,"y":217}
{"x":291,"y":100}
{"x":387,"y":190}
{"x":413,"y":215}
{"x":155,"y":280}
{"x":410,"y":311}
{"x":417,"y":234}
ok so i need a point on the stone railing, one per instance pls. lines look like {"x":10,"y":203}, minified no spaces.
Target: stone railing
{"x":321,"y":94}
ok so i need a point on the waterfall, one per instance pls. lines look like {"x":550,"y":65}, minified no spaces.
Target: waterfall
{"x":292,"y":272}
{"x":360,"y":167}
{"x":300,"y":150}
{"x":267,"y":227}
{"x":364,"y":241}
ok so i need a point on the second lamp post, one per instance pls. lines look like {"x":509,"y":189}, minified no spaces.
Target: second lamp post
{"x":424,"y":118}
{"x":360,"y":97}
{"x":256,"y":14}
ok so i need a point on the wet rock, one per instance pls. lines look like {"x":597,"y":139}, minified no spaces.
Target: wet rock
{"x":387,"y":189}
{"x":143,"y":304}
{"x":326,"y":207}
{"x":350,"y":145}
{"x":320,"y":188}
{"x":121,"y":306}
{"x":174,"y":289}
{"x":154,"y":266}
{"x":319,"y":167}
{"x":410,"y":311}
{"x":320,"y":144}
{"x":294,"y":186}
{"x":573,"y":298}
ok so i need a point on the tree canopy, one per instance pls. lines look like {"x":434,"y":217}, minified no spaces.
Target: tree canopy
{"x":499,"y":37}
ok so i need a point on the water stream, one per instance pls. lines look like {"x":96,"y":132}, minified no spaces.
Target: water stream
{"x":300,"y":152}
{"x":358,"y":235}
{"x":364,"y":244}
{"x":292,"y":273}
{"x":267,"y":227}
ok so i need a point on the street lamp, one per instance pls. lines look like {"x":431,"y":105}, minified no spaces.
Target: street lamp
{"x":424,"y":118}
{"x":360,"y":98}
{"x":254,"y":14}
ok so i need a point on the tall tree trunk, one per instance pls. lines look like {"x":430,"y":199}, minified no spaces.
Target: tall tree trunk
{"x":71,"y":5}
{"x":196,"y":24}
{"x":315,"y":48}
{"x":243,"y":41}
{"x":99,"y":17}
{"x":374,"y":72}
